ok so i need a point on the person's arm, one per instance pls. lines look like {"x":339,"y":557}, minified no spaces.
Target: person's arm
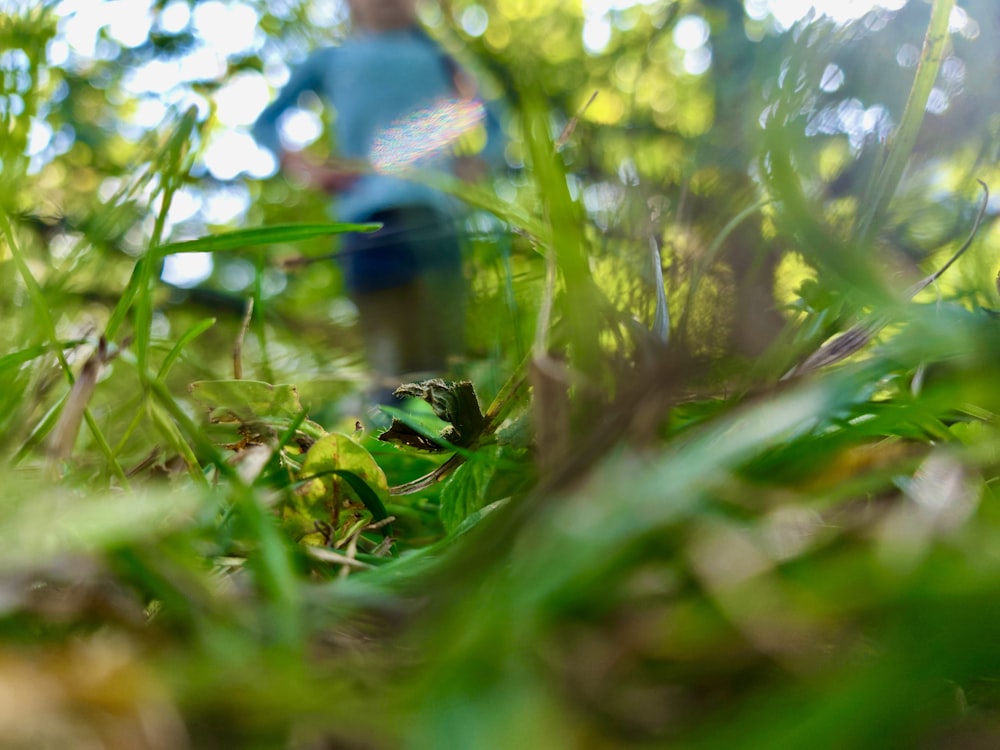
{"x":306,"y":77}
{"x":474,"y":167}
{"x":334,"y":176}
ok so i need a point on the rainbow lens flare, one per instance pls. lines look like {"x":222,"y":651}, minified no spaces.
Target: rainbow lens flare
{"x":424,"y":133}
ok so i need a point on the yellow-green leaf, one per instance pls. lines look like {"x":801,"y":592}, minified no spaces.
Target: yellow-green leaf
{"x":340,"y":479}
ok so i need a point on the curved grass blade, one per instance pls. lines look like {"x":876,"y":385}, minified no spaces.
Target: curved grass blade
{"x":706,"y":261}
{"x":886,"y":180}
{"x":855,"y":338}
{"x":124,"y":304}
{"x":192,"y":333}
{"x":661,"y":317}
{"x":42,"y":429}
{"x":240,"y":239}
{"x":18,"y":358}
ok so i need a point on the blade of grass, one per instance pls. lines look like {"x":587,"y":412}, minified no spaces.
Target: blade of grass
{"x":580,"y":304}
{"x":273,"y":562}
{"x":176,"y":440}
{"x":257,"y":319}
{"x":186,"y":338}
{"x":124,"y":303}
{"x":172,"y":174}
{"x":41,"y":310}
{"x":240,"y":239}
{"x":705,"y":262}
{"x":42,"y":429}
{"x":886,"y":180}
{"x":661,"y":316}
{"x":35,"y":294}
{"x":18,"y":358}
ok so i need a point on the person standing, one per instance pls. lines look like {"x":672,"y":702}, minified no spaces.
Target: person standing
{"x":399,"y":101}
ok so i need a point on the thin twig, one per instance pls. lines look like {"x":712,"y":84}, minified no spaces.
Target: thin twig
{"x":567,"y":132}
{"x":376,"y":525}
{"x":859,"y":335}
{"x":68,"y":427}
{"x":384,"y":547}
{"x":240,"y":337}
{"x":928,"y":280}
{"x":351,"y":553}
{"x":329,"y":556}
{"x":429,"y":480}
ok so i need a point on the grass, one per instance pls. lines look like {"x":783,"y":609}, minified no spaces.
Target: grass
{"x":625,"y":552}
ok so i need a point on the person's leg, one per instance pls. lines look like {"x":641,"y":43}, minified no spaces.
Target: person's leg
{"x":443,"y":304}
{"x":442,"y":289}
{"x":380,"y":275}
{"x":385,"y":319}
{"x":407,"y":283}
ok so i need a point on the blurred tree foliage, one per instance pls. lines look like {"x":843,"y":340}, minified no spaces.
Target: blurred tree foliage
{"x":670,"y":147}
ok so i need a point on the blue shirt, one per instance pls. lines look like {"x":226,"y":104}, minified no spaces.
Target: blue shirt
{"x":379,"y":85}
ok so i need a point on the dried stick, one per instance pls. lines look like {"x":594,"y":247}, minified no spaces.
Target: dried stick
{"x":240,"y":338}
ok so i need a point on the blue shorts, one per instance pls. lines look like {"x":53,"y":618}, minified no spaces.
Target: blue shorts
{"x":413,"y":240}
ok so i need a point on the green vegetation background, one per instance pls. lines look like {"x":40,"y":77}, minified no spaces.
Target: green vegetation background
{"x":642,"y":535}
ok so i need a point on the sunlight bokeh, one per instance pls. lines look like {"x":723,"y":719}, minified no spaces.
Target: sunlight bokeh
{"x":224,"y":30}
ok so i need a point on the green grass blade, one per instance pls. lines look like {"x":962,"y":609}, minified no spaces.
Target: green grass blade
{"x":241,"y":239}
{"x":886,"y":180}
{"x":18,"y":358}
{"x":124,"y":303}
{"x":38,"y":302}
{"x":190,"y":335}
{"x":168,"y":428}
{"x":579,"y":304}
{"x":42,"y":429}
{"x":173,"y":172}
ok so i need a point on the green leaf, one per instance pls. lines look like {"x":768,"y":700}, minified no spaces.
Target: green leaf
{"x":465,"y":492}
{"x":453,"y":402}
{"x":338,"y":473}
{"x":246,"y":399}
